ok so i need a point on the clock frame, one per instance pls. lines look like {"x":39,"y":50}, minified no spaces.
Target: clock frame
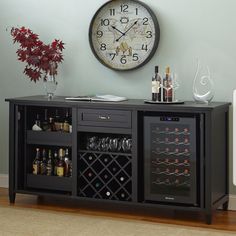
{"x":124,"y":34}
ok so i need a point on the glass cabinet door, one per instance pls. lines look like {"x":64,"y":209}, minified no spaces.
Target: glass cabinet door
{"x":170,"y":159}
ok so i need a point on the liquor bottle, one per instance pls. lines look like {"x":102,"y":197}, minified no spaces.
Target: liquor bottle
{"x":57,"y":121}
{"x":156,"y":81}
{"x":37,"y":124}
{"x":43,"y":164}
{"x":66,"y":125}
{"x":61,"y":164}
{"x":67,"y":163}
{"x":70,"y":168}
{"x":36,"y":163}
{"x":55,"y":162}
{"x":52,"y":126}
{"x":45,"y":125}
{"x":37,"y":121}
{"x":49,"y":163}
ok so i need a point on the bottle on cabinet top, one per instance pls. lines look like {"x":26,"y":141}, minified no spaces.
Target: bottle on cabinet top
{"x":156,"y":85}
{"x":167,"y":85}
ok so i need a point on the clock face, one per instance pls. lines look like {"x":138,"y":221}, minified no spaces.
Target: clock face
{"x":124,"y":34}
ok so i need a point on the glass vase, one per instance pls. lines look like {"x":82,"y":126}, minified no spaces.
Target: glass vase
{"x":203,"y":85}
{"x":50,"y":85}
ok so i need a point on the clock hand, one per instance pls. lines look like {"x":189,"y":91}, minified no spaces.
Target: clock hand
{"x":113,"y":27}
{"x":127,"y":30}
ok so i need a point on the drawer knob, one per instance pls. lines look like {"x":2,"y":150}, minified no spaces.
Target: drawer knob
{"x":104,"y":117}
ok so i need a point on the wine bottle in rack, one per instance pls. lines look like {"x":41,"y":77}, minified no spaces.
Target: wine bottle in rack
{"x":122,"y":195}
{"x":36,"y":163}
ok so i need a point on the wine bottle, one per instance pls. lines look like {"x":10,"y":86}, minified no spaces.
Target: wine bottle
{"x":167,"y":83}
{"x":36,"y":163}
{"x":122,"y":196}
{"x":156,"y":85}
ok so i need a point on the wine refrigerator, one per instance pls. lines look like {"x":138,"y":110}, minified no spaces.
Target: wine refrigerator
{"x":171,"y":163}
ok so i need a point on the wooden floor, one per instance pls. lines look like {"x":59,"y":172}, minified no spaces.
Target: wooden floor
{"x":222,"y":220}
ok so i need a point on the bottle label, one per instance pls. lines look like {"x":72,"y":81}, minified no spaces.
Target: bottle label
{"x":66,"y":127}
{"x":155,"y":87}
{"x":49,"y":170}
{"x":60,"y":171}
{"x":35,"y":169}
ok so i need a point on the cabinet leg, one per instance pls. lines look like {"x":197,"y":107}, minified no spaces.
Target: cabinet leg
{"x":225,"y":206}
{"x":208,"y":218}
{"x":12,"y":197}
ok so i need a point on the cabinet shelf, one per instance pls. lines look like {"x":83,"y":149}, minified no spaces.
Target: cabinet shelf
{"x":109,"y":153}
{"x":49,"y":138}
{"x":49,"y":182}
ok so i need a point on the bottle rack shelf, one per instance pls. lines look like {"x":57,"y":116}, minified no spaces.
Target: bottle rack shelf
{"x":105,"y":175}
{"x":49,"y":138}
{"x":49,"y":182}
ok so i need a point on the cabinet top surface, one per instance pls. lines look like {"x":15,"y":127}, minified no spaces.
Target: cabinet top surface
{"x":130,"y":103}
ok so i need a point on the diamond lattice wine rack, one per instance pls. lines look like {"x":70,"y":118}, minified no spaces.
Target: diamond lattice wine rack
{"x":105,"y":168}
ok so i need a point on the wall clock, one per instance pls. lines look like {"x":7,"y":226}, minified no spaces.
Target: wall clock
{"x":124,"y":34}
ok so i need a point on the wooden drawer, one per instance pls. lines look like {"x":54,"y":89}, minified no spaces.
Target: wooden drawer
{"x":105,"y":118}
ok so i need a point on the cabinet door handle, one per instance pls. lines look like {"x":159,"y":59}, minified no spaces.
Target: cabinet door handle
{"x":104,"y":117}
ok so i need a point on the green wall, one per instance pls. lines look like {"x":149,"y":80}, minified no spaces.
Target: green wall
{"x":190,"y":29}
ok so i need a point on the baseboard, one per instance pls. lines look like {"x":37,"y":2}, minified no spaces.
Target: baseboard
{"x":3,"y":181}
{"x":232,"y":202}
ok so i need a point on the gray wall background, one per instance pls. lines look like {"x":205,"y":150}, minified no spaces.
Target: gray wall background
{"x":190,"y":29}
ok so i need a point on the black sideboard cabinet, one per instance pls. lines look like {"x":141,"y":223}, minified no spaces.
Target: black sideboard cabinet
{"x":127,"y":154}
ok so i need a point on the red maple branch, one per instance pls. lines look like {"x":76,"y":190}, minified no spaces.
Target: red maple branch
{"x":38,"y":56}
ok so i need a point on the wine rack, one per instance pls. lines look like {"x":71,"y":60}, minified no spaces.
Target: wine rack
{"x":105,"y":175}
